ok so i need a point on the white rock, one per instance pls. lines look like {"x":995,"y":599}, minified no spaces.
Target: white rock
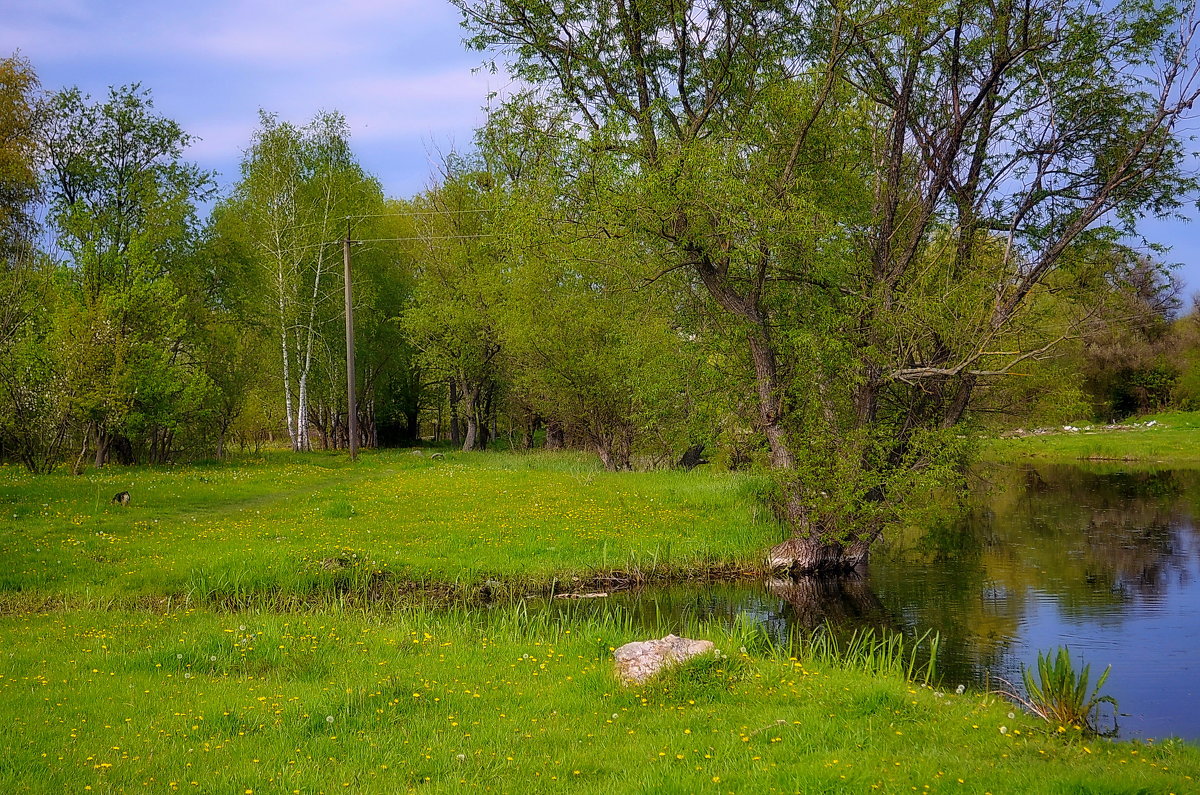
{"x":640,"y":660}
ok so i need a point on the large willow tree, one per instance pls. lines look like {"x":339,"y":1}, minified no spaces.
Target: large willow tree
{"x":871,"y":197}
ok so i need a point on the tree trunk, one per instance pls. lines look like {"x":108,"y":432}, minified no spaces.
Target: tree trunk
{"x":810,"y":551}
{"x":287,"y":375}
{"x":455,"y":428}
{"x":555,"y":435}
{"x":78,"y":468}
{"x":470,"y":397}
{"x":412,"y":422}
{"x":102,"y":442}
{"x":770,"y":398}
{"x":302,"y":440}
{"x":615,"y":449}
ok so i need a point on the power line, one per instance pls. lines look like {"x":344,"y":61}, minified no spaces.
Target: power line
{"x":340,"y":241}
{"x":418,"y":212}
{"x":426,"y":237}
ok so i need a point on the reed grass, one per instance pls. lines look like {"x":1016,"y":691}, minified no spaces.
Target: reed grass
{"x":876,"y":653}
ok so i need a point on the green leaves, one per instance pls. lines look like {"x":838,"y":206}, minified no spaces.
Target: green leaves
{"x":1058,"y":693}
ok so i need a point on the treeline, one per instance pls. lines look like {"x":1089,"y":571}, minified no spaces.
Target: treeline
{"x":135,"y":331}
{"x":511,"y":304}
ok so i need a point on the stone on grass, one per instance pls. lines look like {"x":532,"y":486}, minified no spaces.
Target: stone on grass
{"x":640,"y":660}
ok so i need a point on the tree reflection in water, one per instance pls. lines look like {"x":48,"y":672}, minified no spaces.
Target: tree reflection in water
{"x":1103,"y":558}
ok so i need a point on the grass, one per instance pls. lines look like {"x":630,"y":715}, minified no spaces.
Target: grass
{"x":883,"y":654}
{"x":284,"y":530}
{"x":440,"y":701}
{"x":242,"y":628}
{"x":1174,"y":439}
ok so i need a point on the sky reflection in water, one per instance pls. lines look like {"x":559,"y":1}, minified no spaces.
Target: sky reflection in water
{"x":1102,"y":559}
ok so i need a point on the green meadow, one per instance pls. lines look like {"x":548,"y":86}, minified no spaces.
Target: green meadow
{"x":286,"y":528}
{"x":298,"y":624}
{"x":424,"y":701}
{"x":1173,"y":439}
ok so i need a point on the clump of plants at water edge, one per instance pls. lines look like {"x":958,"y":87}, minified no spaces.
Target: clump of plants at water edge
{"x":1058,"y":693}
{"x":882,"y":654}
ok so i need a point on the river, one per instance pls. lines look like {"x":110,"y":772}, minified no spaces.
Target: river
{"x":1103,"y":559}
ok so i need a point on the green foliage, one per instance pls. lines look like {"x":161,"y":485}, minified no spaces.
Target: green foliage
{"x":301,"y":190}
{"x":875,"y":653}
{"x":19,"y":132}
{"x":868,"y":209}
{"x":1058,"y":693}
{"x":452,"y":318}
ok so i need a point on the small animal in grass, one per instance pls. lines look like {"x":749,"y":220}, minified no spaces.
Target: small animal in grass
{"x":120,"y":498}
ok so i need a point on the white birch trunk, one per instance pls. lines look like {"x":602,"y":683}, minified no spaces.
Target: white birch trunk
{"x":287,"y":367}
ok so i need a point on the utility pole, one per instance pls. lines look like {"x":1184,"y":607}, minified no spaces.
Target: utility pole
{"x":351,"y":402}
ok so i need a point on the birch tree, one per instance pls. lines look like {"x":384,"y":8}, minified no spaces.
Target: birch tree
{"x":298,"y":187}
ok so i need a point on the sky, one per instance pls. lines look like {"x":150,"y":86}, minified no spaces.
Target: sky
{"x":396,"y":69}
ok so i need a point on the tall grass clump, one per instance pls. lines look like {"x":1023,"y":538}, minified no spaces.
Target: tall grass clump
{"x":876,"y":653}
{"x":1058,"y":693}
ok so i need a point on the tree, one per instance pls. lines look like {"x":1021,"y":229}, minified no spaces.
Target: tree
{"x":872,"y":196}
{"x":299,"y":188}
{"x":19,"y":128}
{"x":1132,"y":363}
{"x":23,"y":419}
{"x":122,"y":204}
{"x":589,"y":352}
{"x":453,"y":319}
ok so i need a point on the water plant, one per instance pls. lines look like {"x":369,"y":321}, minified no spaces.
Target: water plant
{"x":1058,"y":693}
{"x":881,"y":654}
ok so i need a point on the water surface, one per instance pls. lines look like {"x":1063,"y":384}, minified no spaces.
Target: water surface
{"x":1102,"y":559}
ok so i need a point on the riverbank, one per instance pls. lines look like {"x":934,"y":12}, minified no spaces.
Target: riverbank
{"x":232,"y":630}
{"x":440,"y":701}
{"x":1170,"y":439}
{"x":288,"y":531}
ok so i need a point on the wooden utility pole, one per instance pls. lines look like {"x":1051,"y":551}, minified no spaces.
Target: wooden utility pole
{"x":351,"y":402}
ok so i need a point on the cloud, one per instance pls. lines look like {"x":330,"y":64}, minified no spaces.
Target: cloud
{"x":450,"y":100}
{"x":395,"y":68}
{"x":247,"y":32}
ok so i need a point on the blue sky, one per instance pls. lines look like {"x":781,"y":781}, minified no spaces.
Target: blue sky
{"x":396,"y":69}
